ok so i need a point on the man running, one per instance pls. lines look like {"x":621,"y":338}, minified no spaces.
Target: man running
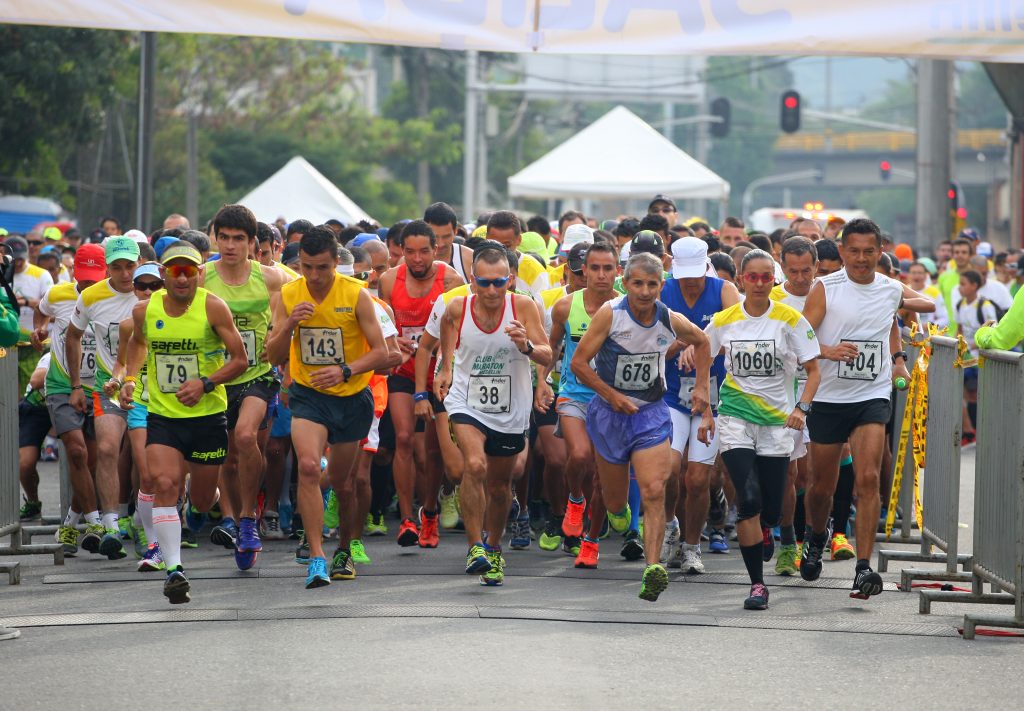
{"x":444,"y":222}
{"x":628,"y":422}
{"x":181,"y":334}
{"x":326,"y":328}
{"x":488,"y":340}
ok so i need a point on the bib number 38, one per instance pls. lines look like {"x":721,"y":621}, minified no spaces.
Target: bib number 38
{"x":321,"y":346}
{"x":490,"y":393}
{"x":637,"y":371}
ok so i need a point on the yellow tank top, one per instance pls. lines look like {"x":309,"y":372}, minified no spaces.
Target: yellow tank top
{"x":331,"y":336}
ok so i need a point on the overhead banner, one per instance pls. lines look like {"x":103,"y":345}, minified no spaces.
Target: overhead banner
{"x":989,"y":30}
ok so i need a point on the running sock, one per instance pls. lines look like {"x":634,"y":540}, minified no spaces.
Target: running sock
{"x":591,"y":540}
{"x":863,"y":563}
{"x":144,"y":509}
{"x":72,"y":518}
{"x":672,"y":525}
{"x":93,"y":517}
{"x":633,"y":499}
{"x":752,"y":559}
{"x":788,"y":535}
{"x":576,"y":500}
{"x":167,"y":525}
{"x":820,"y":538}
{"x":110,"y":520}
{"x":843,"y":498}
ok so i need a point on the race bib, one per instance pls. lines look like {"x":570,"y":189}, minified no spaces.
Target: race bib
{"x":249,"y":341}
{"x":868,"y":363}
{"x":637,"y":371}
{"x":752,"y":359}
{"x":172,"y":370}
{"x":413,"y":333}
{"x":113,"y":338}
{"x":801,"y":373}
{"x":321,"y":346}
{"x":87,"y":369}
{"x":686,"y":386}
{"x":490,"y":393}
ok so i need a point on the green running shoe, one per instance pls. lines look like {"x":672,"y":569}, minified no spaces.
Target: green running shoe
{"x":551,"y":537}
{"x":785,"y":564}
{"x":90,"y":540}
{"x":138,"y":535}
{"x":620,"y":521}
{"x":375,"y":526}
{"x":188,"y":538}
{"x":449,"y":516}
{"x":111,"y":546}
{"x":496,"y":575}
{"x":477,"y":560}
{"x":30,"y":510}
{"x":359,"y":553}
{"x":67,"y":536}
{"x":342,"y":567}
{"x":654,"y":582}
{"x":331,"y":517}
{"x":124,"y":527}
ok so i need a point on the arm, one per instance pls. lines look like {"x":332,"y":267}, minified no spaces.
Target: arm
{"x":428,"y":343}
{"x":899,"y":366}
{"x":449,"y":337}
{"x":135,"y":355}
{"x":689,"y":334}
{"x":124,"y":331}
{"x":586,"y":349}
{"x":37,"y":381}
{"x":814,"y":312}
{"x":73,"y":357}
{"x":797,"y":418}
{"x":282,"y":325}
{"x":528,"y":330}
{"x":543,"y":395}
{"x":915,"y":301}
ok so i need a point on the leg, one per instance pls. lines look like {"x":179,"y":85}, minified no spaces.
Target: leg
{"x":109,"y":432}
{"x":450,"y":453}
{"x":27,"y":473}
{"x":578,"y":470}
{"x":277,"y":454}
{"x":653,"y":467}
{"x":403,"y":466}
{"x":78,"y":469}
{"x":499,"y":497}
{"x":251,"y":414}
{"x":341,"y":463}
{"x":867,"y":442}
{"x":310,"y":439}
{"x":472,"y":491}
{"x":824,"y":476}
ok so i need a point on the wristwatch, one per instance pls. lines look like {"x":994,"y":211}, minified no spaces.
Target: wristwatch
{"x":346,"y":372}
{"x":529,"y":348}
{"x":208,"y":385}
{"x":900,"y":354}
{"x":804,"y":407}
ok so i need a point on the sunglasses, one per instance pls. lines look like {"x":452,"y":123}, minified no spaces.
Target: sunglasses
{"x":149,"y":285}
{"x":35,"y":242}
{"x":485,"y":283}
{"x":361,"y":276}
{"x":762,"y":278}
{"x":176,"y":271}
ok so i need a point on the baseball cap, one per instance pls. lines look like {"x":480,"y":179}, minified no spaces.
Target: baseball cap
{"x":533,"y":242}
{"x":970,"y":233}
{"x":905,"y":266}
{"x":689,"y":258}
{"x":97,"y":236}
{"x":929,"y":264}
{"x":53,"y":233}
{"x":608,"y":225}
{"x":148,"y":269}
{"x":575,"y":234}
{"x":650,"y":242}
{"x":661,"y":198}
{"x":137,"y":235}
{"x":90,"y":263}
{"x":162,"y":244}
{"x":577,"y":256}
{"x":903,"y":251}
{"x":181,"y":250}
{"x":290,"y":255}
{"x":984,"y":249}
{"x":365,"y":237}
{"x":121,"y":248}
{"x":18,"y":246}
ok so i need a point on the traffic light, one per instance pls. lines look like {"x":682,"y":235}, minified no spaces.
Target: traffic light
{"x":885,"y":170}
{"x":721,"y":108}
{"x":789,"y":118}
{"x":957,"y":208}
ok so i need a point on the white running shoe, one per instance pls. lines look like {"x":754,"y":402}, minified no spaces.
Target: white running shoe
{"x":692,"y":564}
{"x":671,"y":555}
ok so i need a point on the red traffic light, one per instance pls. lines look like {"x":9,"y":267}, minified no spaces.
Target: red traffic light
{"x":791,"y":102}
{"x":951,"y":194}
{"x":885,"y":165}
{"x":962,"y":213}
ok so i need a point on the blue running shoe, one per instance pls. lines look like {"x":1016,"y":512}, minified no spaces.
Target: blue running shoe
{"x":248,"y":540}
{"x":194,"y":518}
{"x":718,"y":543}
{"x":245,"y":559}
{"x":520,"y":530}
{"x":225,"y":533}
{"x":317,"y":576}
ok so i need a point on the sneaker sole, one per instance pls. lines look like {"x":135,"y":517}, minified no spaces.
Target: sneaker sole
{"x":361,"y":561}
{"x":343,"y":576}
{"x":588,"y":566}
{"x":317,"y":583}
{"x":693,"y":571}
{"x":749,"y":604}
{"x":92,"y":545}
{"x":245,"y":559}
{"x":519,"y":545}
{"x":491,"y":583}
{"x":220,"y":537}
{"x":869,"y":588}
{"x":809,"y":572}
{"x":631,"y":551}
{"x":423,"y":544}
{"x":148,"y":568}
{"x":653,"y":586}
{"x":179,"y":593}
{"x":478,"y":567}
{"x":787,"y":572}
{"x":408,"y":540}
{"x":844,"y":555}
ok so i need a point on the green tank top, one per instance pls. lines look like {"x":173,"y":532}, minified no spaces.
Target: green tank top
{"x":250,"y":307}
{"x":181,"y":348}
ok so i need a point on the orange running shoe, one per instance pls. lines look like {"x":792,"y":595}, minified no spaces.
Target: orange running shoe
{"x":799,"y":548}
{"x":572,"y":524}
{"x":408,"y":535}
{"x":588,"y":554}
{"x":841,"y":548}
{"x":428,"y":530}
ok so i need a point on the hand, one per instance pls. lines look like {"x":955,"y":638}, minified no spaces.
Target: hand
{"x":442,"y":381}
{"x":408,"y":347}
{"x":844,"y":351}
{"x":38,"y":336}
{"x":424,"y":409}
{"x":796,"y":420}
{"x":899,"y":370}
{"x":300,"y":313}
{"x":328,"y":377}
{"x":124,"y":398}
{"x":190,"y":392}
{"x":700,"y":400}
{"x":988,"y":324}
{"x":623,"y":405}
{"x":706,"y":431}
{"x":517,"y":332}
{"x":78,"y":400}
{"x":686,"y":361}
{"x":111,"y":386}
{"x":543,"y":396}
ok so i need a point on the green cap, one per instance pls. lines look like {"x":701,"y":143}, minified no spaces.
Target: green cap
{"x":53,"y":233}
{"x":182,"y":250}
{"x":533,"y":242}
{"x":115,"y":248}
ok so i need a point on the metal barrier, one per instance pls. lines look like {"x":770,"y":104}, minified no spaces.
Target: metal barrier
{"x":905,"y":523}
{"x":49,"y":526}
{"x":998,"y":496}
{"x":941,"y":487}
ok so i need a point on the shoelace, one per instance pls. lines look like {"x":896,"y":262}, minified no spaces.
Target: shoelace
{"x":758,"y":590}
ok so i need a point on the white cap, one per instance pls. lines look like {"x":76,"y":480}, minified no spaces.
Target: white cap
{"x":575,"y":234}
{"x":625,"y":252}
{"x":137,"y":235}
{"x":984,"y":249}
{"x":345,"y":270}
{"x":689,"y":258}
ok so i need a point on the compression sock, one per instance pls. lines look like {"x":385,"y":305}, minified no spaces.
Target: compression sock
{"x":972,"y":412}
{"x":144,"y":508}
{"x":167,"y":525}
{"x":843,"y":498}
{"x":788,"y":534}
{"x":752,"y":559}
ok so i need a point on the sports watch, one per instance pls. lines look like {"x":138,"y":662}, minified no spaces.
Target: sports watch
{"x":804,"y":407}
{"x":208,"y":385}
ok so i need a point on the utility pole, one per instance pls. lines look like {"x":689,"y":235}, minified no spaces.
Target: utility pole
{"x":144,"y":157}
{"x":469,"y":139}
{"x":192,"y":170}
{"x":934,"y":140}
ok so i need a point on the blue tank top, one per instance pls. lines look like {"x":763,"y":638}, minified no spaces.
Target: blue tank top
{"x":576,"y":325}
{"x":709,"y":303}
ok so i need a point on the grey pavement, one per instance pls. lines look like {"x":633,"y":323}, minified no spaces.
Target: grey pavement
{"x":414,"y":631}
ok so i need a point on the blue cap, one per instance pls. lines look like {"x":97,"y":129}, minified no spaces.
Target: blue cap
{"x":162,"y":244}
{"x":147,"y":269}
{"x":363,"y":238}
{"x":382,"y":233}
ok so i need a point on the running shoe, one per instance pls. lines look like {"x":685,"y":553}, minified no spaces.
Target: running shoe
{"x":358,"y":552}
{"x":496,"y":575}
{"x":342,"y":567}
{"x":224,"y":533}
{"x":272,"y":526}
{"x":572,"y":522}
{"x":671,"y":552}
{"x":768,"y":551}
{"x":138,"y":536}
{"x":654,"y":582}
{"x":551,"y":537}
{"x":571,"y":545}
{"x":588,"y":555}
{"x":620,"y":521}
{"x":717,"y":542}
{"x":375,"y":526}
{"x":691,"y":563}
{"x":866,"y":583}
{"x":188,"y":538}
{"x":215,"y":513}
{"x":111,"y":546}
{"x":429,"y":534}
{"x":152,"y":560}
{"x":449,"y":511}
{"x":302,"y":552}
{"x":841,"y":548}
{"x":91,"y":538}
{"x":317,"y":575}
{"x":331,"y":516}
{"x":248,"y":540}
{"x":758,"y":599}
{"x":786,"y":563}
{"x":810,"y":560}
{"x":408,"y":535}
{"x":194,"y":518}
{"x":67,"y":536}
{"x":606,"y":530}
{"x":124,"y":527}
{"x":633,"y":546}
{"x":520,"y":532}
{"x":177,"y":589}
{"x":513,"y":509}
{"x":30,"y":510}
{"x":476,"y":560}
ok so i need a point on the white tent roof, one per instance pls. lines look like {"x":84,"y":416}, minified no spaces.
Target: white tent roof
{"x":300,"y":191}
{"x":618,"y":156}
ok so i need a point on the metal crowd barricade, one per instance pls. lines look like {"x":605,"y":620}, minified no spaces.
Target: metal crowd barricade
{"x":49,"y":526}
{"x":998,"y":497}
{"x":941,"y":498}
{"x":10,"y":523}
{"x":903,"y":529}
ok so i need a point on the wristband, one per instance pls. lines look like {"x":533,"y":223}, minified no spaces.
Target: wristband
{"x":130,"y":379}
{"x":421,"y":397}
{"x":77,"y":387}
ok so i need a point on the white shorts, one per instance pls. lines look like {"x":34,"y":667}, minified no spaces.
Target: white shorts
{"x":684,"y":430}
{"x":372,"y":441}
{"x":801,"y":438}
{"x":765,"y":440}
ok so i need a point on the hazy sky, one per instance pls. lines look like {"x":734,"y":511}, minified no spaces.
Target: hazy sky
{"x":855,"y":80}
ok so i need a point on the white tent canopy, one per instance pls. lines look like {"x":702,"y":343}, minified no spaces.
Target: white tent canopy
{"x":300,"y":191}
{"x":618,"y":156}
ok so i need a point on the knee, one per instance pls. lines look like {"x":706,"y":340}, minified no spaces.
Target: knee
{"x":867,"y":483}
{"x":245,"y":441}
{"x":652,"y":491}
{"x":698,"y":479}
{"x":309,"y":470}
{"x":580,"y":459}
{"x":404,"y":439}
{"x":474,"y":467}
